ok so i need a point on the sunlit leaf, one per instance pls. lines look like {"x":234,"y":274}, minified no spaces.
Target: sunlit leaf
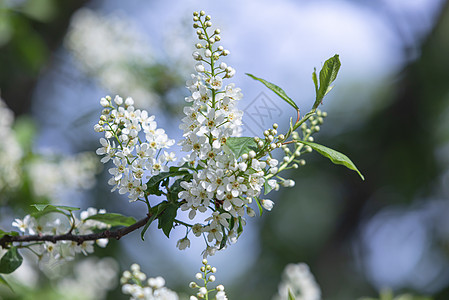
{"x":335,"y":156}
{"x":280,"y":92}
{"x":328,"y":74}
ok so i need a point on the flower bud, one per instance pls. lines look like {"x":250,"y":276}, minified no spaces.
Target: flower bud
{"x":268,"y":205}
{"x":252,"y":154}
{"x":200,"y":68}
{"x":196,"y":55}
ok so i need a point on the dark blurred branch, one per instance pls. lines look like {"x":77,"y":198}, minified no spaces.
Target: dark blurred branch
{"x":107,"y":234}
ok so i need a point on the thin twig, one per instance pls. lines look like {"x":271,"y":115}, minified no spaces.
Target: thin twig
{"x":79,"y":239}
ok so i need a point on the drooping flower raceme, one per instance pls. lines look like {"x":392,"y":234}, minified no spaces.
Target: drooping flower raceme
{"x":63,"y":250}
{"x":134,"y":157}
{"x":135,"y":283}
{"x":222,"y":182}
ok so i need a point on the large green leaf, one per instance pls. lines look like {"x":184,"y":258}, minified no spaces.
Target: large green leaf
{"x":10,"y":261}
{"x":155,"y":181}
{"x":280,"y":92}
{"x":113,"y":219}
{"x":335,"y":156}
{"x":328,"y":74}
{"x":241,"y":145}
{"x":167,"y":218}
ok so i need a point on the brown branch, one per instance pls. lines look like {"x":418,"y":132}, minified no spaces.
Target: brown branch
{"x":107,"y":234}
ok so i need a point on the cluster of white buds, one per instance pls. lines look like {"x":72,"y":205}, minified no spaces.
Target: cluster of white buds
{"x":62,"y":250}
{"x":132,"y":157}
{"x":293,"y":155}
{"x":207,"y":275}
{"x":135,"y":283}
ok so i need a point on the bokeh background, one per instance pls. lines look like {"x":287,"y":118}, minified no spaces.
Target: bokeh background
{"x":389,"y":113}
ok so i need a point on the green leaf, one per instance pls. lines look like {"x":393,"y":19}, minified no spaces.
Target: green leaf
{"x":167,"y":218}
{"x":3,"y":281}
{"x":280,"y":92}
{"x":290,"y":295}
{"x":241,"y":145}
{"x":155,"y":181}
{"x":240,"y":228}
{"x":155,"y":212}
{"x":266,"y":187}
{"x":335,"y":156}
{"x":10,"y":261}
{"x":42,"y":207}
{"x":10,"y":233}
{"x":224,"y":239}
{"x":113,"y":219}
{"x":327,"y":75}
{"x":315,"y":80}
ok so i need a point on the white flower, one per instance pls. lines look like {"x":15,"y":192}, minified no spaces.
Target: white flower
{"x":183,"y":243}
{"x":267,"y":204}
{"x":26,"y":224}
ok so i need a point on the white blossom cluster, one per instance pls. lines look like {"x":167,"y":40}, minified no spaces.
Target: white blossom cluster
{"x":207,"y":275}
{"x":10,"y":151}
{"x":62,"y":250}
{"x":132,"y":155}
{"x":61,"y":173}
{"x":298,"y":279}
{"x":91,"y":280}
{"x":223,"y":182}
{"x":136,"y":284}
